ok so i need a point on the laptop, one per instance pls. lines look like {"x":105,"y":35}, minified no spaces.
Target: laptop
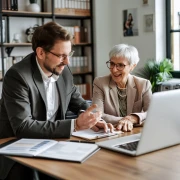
{"x":161,"y":128}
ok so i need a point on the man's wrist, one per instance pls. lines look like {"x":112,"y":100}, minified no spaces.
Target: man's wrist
{"x":76,"y":127}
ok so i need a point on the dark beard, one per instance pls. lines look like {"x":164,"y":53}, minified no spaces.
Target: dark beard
{"x":53,"y":71}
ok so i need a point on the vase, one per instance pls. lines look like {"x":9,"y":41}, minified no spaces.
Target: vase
{"x":33,"y":7}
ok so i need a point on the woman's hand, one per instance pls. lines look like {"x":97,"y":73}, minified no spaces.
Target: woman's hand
{"x":126,"y":123}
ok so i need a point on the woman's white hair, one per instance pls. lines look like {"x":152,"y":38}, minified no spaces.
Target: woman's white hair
{"x":125,"y":51}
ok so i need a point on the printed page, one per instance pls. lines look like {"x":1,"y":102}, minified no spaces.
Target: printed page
{"x":69,"y":151}
{"x":90,"y":134}
{"x":27,"y":147}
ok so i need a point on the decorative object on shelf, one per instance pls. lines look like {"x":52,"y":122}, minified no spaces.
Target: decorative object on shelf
{"x":33,"y":6}
{"x":149,"y":23}
{"x":157,"y":72}
{"x":16,"y":38}
{"x":30,"y":31}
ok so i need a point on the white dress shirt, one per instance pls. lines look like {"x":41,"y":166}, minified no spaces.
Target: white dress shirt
{"x":52,"y":96}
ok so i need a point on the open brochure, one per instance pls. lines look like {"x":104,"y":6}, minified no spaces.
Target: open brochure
{"x":89,"y":134}
{"x":45,"y":148}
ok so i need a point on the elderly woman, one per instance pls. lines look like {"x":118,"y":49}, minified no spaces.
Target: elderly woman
{"x":123,"y":98}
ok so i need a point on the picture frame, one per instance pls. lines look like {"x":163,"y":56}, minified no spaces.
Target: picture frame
{"x":145,"y":2}
{"x":130,"y":22}
{"x":149,"y":23}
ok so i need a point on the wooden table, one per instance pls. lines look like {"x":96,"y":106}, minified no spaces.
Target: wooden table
{"x":108,"y":165}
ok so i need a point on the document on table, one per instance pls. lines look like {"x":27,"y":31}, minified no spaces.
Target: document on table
{"x":47,"y":148}
{"x":89,"y":134}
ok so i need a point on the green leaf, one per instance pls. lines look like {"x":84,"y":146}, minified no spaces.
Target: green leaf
{"x":156,"y":71}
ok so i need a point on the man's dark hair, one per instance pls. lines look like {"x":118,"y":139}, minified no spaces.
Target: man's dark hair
{"x":45,"y":36}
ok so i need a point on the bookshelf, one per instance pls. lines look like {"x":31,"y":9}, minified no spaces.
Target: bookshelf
{"x":71,"y":16}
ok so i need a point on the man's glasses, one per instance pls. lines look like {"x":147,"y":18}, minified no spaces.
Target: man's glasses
{"x":62,"y":56}
{"x":119,"y":66}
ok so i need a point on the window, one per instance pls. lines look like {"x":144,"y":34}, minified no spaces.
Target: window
{"x":173,"y":32}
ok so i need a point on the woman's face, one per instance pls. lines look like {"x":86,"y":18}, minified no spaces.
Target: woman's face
{"x":121,"y":70}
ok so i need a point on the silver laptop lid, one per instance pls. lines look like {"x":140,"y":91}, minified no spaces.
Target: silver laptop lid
{"x":162,"y":125}
{"x":161,"y":128}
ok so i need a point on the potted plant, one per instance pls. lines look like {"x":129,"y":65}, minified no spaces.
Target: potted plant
{"x":157,"y":72}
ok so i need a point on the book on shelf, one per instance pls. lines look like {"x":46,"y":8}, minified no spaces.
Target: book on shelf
{"x":3,"y":30}
{"x":80,"y":34}
{"x":76,"y":34}
{"x":50,"y":149}
{"x":69,"y":7}
{"x":89,"y":134}
{"x":10,"y":5}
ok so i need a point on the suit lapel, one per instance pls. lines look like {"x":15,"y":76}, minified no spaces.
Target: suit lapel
{"x":131,"y":93}
{"x":113,"y":95}
{"x":61,"y":88}
{"x":38,"y":81}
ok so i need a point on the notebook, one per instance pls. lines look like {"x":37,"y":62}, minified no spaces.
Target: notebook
{"x":51,"y":149}
{"x":161,"y":128}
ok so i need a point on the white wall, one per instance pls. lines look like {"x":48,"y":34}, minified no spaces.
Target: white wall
{"x":108,"y":29}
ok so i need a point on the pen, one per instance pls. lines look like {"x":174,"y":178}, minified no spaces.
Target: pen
{"x":79,"y":141}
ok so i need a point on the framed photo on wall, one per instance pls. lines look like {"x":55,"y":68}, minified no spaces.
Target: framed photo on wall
{"x":145,"y":2}
{"x":130,"y":22}
{"x":149,"y":23}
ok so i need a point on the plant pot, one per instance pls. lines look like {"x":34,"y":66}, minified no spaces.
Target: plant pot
{"x":33,"y":7}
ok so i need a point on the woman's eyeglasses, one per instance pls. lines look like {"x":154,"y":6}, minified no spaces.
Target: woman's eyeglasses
{"x":119,"y":66}
{"x":62,"y":56}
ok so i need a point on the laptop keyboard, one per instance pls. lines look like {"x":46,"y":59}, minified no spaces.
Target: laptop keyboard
{"x":132,"y":146}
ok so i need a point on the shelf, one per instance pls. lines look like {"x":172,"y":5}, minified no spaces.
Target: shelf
{"x":25,"y":14}
{"x":16,"y":44}
{"x":29,"y":44}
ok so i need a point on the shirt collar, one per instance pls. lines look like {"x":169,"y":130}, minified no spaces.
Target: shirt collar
{"x":45,"y":78}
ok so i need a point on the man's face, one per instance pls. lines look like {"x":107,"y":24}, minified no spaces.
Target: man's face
{"x":57,"y":58}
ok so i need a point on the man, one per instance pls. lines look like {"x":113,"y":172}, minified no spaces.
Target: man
{"x":37,"y":93}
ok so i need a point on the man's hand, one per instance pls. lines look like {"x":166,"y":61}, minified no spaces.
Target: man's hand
{"x":103,"y":125}
{"x":87,"y":119}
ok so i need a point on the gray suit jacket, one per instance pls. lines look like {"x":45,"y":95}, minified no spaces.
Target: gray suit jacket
{"x":23,"y":105}
{"x":105,"y":96}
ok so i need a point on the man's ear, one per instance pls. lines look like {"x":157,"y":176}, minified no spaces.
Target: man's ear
{"x":40,"y":53}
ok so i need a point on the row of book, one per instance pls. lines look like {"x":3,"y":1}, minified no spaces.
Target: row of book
{"x":69,"y":7}
{"x":80,"y":34}
{"x":67,"y":4}
{"x":78,"y":64}
{"x":85,"y":90}
{"x":10,"y":5}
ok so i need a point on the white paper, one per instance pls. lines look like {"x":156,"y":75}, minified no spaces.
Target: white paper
{"x":69,"y":151}
{"x":28,"y":147}
{"x":90,"y":134}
